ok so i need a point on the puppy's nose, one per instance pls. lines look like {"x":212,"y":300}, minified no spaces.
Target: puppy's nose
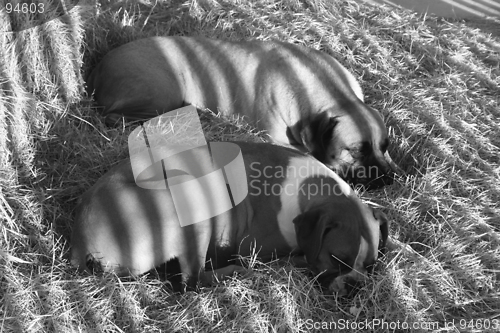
{"x":344,"y":286}
{"x":338,"y":286}
{"x":352,"y":284}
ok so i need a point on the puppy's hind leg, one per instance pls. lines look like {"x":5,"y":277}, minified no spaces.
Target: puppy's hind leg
{"x":192,"y":247}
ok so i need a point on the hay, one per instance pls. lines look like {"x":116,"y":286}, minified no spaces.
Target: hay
{"x":437,"y":84}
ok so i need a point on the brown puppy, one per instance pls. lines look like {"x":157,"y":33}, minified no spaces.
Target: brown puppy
{"x":301,"y":96}
{"x":295,"y":205}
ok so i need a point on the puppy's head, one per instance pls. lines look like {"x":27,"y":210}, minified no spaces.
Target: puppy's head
{"x":341,"y":244}
{"x":354,"y":146}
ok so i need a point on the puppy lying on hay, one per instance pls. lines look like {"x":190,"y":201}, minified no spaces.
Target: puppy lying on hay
{"x":294,"y":206}
{"x":300,"y":96}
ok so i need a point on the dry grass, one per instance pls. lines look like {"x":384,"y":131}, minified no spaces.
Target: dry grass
{"x":436,"y":83}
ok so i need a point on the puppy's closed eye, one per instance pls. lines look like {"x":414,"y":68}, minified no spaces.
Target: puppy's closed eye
{"x":359,"y":150}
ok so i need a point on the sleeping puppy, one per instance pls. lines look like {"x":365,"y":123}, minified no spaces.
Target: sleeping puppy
{"x":294,"y":206}
{"x":300,"y":96}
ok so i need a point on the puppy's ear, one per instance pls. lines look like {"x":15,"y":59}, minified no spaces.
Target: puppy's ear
{"x":310,"y":227}
{"x":384,"y":228}
{"x":316,"y":134}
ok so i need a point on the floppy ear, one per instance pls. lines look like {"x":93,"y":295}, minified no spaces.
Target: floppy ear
{"x":316,"y":134}
{"x":384,"y":228}
{"x":310,"y":228}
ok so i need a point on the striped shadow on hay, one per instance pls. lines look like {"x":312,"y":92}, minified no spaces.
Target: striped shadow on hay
{"x":465,"y":9}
